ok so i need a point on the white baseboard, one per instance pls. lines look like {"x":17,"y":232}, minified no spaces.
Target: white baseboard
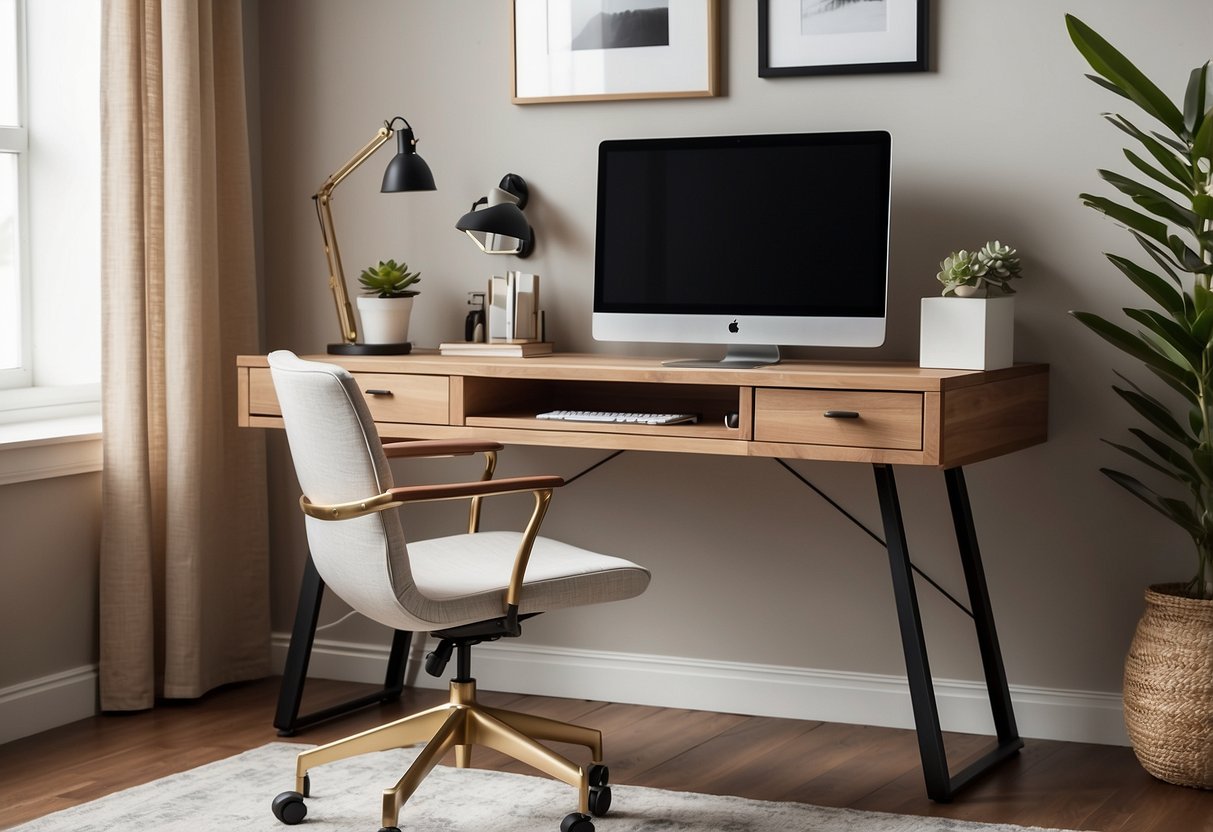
{"x":734,"y":687}
{"x":42,"y":704}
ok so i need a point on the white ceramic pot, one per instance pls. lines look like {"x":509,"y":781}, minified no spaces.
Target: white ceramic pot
{"x":385,"y":320}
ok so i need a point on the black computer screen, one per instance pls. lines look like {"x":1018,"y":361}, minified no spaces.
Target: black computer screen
{"x":788,"y":225}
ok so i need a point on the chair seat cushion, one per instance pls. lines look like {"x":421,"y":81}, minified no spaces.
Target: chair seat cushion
{"x":461,"y":579}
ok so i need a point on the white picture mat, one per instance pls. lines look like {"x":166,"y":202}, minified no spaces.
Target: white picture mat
{"x":789,"y":48}
{"x":546,"y":66}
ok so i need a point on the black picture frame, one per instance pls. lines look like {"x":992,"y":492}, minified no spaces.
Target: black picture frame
{"x":779,"y":66}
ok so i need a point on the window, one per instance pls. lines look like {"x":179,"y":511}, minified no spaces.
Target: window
{"x":14,"y":142}
{"x":50,"y":238}
{"x":50,"y":319}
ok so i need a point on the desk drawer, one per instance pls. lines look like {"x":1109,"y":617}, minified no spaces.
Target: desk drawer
{"x":407,"y":399}
{"x":884,"y":420}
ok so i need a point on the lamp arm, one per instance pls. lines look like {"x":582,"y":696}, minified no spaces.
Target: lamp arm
{"x":323,"y":199}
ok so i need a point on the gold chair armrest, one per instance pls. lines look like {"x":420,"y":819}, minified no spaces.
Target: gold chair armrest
{"x":540,"y":486}
{"x":480,"y":488}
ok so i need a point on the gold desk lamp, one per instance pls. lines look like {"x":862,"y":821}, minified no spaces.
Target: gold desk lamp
{"x":406,"y":172}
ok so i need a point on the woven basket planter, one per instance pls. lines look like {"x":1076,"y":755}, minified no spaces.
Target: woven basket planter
{"x":1168,"y":689}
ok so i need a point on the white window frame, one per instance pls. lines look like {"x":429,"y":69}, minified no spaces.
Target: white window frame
{"x":16,"y":140}
{"x":50,"y":425}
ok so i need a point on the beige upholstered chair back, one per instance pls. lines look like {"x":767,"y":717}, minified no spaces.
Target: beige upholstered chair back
{"x":338,"y":459}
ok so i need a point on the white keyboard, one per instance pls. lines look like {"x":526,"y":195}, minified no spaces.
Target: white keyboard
{"x":612,"y":416}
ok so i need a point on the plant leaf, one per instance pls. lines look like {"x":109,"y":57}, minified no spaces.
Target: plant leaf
{"x":1157,"y":415}
{"x":1161,"y":256}
{"x":1187,"y":348}
{"x":1106,"y":60}
{"x":1194,"y":98}
{"x":1147,"y":461}
{"x":1178,"y":462}
{"x":1173,"y":159}
{"x":1150,"y":498}
{"x":1188,"y":259}
{"x":1202,"y":327}
{"x":1202,"y":144}
{"x":1188,"y":387}
{"x":1202,"y":458}
{"x":1148,"y":226}
{"x":1157,"y":288}
{"x":1136,"y":347}
{"x":1156,"y":174}
{"x":1108,"y":85}
{"x":1153,"y":201}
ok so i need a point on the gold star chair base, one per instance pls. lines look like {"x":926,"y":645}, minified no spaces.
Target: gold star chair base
{"x":460,"y":724}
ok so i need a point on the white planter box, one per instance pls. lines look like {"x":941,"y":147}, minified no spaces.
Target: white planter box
{"x":967,"y":333}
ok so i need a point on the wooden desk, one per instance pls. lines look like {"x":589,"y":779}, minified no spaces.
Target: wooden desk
{"x":880,"y":414}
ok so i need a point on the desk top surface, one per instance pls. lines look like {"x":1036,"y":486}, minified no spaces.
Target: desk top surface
{"x":582,"y":366}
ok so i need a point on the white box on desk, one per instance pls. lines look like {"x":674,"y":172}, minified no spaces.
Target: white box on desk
{"x":967,"y":333}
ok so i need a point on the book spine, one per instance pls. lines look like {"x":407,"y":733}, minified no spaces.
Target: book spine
{"x":496,"y":308}
{"x":511,"y":305}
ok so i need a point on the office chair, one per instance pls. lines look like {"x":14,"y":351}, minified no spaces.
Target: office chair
{"x":464,"y":589}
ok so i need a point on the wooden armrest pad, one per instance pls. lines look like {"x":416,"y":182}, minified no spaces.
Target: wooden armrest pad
{"x":480,"y":488}
{"x":439,"y":447}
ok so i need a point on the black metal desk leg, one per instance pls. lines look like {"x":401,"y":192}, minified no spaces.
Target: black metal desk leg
{"x":294,"y":674}
{"x":941,"y":785}
{"x":918,"y":670}
{"x":983,"y":615}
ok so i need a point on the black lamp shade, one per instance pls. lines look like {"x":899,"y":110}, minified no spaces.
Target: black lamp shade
{"x":407,"y":171}
{"x":504,"y":219}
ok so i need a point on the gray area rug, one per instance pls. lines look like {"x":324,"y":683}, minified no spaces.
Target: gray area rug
{"x":235,"y":794}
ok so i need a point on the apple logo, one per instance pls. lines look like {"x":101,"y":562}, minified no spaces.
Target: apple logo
{"x":733,"y":327}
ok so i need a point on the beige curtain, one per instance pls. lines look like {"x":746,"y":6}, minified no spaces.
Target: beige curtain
{"x":184,"y":562}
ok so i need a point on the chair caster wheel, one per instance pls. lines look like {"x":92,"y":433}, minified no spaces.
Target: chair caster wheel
{"x":389,"y":829}
{"x":289,"y":808}
{"x":576,"y":822}
{"x":600,"y":801}
{"x":598,"y":775}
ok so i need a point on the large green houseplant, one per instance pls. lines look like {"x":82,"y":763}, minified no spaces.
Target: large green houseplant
{"x":1168,"y":693}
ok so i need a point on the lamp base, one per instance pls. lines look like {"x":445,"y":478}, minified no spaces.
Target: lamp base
{"x":371,"y":349}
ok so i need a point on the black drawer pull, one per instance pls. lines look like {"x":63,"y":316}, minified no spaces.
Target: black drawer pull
{"x":841,"y":414}
{"x":374,"y":392}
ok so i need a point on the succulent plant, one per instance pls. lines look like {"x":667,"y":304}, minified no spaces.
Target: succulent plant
{"x":961,"y":268}
{"x":1002,"y":265}
{"x":389,"y":279}
{"x":993,"y":266}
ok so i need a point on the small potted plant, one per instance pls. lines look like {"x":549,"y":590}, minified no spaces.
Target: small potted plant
{"x":978,"y":333}
{"x":967,"y":274}
{"x":388,"y":303}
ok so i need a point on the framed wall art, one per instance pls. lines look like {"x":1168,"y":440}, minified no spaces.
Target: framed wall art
{"x":584,"y":50}
{"x":830,"y":37}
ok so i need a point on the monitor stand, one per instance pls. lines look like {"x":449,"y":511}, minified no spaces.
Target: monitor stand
{"x":736,"y":357}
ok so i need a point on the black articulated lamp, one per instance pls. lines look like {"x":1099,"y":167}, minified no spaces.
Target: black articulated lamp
{"x":406,"y":172}
{"x":496,"y":223}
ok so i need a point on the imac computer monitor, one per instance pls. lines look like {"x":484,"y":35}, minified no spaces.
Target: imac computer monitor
{"x":750,"y":242}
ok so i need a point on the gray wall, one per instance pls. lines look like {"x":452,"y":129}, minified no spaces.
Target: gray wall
{"x":995,"y":142}
{"x":48,"y":592}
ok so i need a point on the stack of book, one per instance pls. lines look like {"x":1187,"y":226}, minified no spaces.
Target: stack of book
{"x":516,"y":349}
{"x":514,"y":325}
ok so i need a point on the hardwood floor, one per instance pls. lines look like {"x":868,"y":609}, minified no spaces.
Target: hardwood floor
{"x":1050,"y":784}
